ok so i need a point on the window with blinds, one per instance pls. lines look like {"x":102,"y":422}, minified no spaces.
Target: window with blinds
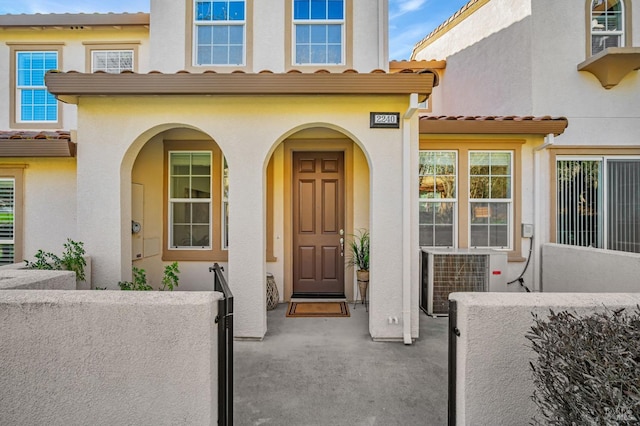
{"x":7,"y":220}
{"x":598,"y":203}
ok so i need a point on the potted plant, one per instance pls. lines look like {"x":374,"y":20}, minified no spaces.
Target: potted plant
{"x":359,"y":259}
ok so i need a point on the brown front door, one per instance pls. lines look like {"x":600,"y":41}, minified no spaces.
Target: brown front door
{"x":318,"y":224}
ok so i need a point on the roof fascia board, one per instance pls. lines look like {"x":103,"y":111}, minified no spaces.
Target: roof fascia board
{"x":68,"y":86}
{"x":534,"y":126}
{"x":78,"y":19}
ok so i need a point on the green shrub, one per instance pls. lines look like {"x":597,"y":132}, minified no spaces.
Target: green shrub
{"x":72,"y":259}
{"x":169,"y":279}
{"x":139,"y":282}
{"x":587,"y":369}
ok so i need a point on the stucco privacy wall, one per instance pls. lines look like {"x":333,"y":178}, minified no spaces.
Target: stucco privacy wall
{"x":589,"y":270}
{"x":12,"y":278}
{"x":493,"y":378}
{"x":247,"y":129}
{"x":108,"y":357}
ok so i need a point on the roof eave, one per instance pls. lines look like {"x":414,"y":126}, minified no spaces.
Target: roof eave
{"x":74,"y":20}
{"x":495,"y":126}
{"x":67,"y":87}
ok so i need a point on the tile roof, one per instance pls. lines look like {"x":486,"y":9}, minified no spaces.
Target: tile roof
{"x":67,"y":86}
{"x":491,"y":124}
{"x":460,"y":15}
{"x":35,"y":134}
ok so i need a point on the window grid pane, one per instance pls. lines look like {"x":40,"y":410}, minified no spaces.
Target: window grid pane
{"x":219,"y":33}
{"x":490,"y":198}
{"x":35,"y":103}
{"x":438,"y":203}
{"x":607,"y":25}
{"x":112,"y":61}
{"x":190,"y":199}
{"x":319,"y":31}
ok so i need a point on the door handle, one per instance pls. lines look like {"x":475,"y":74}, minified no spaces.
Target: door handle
{"x":341,"y":247}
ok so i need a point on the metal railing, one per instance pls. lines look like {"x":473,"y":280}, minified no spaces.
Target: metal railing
{"x":224,"y":319}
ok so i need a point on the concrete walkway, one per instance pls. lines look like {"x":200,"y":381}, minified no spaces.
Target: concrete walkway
{"x":328,"y":371}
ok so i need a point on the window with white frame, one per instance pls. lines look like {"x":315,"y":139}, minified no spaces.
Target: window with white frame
{"x":34,"y":102}
{"x":490,"y":198}
{"x":438,"y":198}
{"x":319,"y":32}
{"x":488,"y":201}
{"x":220,"y":32}
{"x":7,"y":220}
{"x":607,"y":24}
{"x":598,"y":202}
{"x":112,"y":61}
{"x":190,"y":200}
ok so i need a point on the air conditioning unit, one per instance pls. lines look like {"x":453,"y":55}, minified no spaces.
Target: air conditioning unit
{"x":445,"y":271}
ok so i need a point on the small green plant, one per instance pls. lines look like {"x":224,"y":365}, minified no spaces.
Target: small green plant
{"x":359,"y":248}
{"x":170,"y":278}
{"x":586,"y":371}
{"x":72,"y":259}
{"x":139,"y":282}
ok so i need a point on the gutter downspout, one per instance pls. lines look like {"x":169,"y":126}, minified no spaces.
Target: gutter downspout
{"x":407,"y":208}
{"x":549,"y":140}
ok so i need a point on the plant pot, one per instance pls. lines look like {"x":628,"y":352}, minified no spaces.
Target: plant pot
{"x":363,"y":284}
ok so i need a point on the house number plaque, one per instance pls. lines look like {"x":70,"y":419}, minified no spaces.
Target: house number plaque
{"x":385,"y":120}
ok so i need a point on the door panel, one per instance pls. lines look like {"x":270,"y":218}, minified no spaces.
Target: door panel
{"x":318,"y":219}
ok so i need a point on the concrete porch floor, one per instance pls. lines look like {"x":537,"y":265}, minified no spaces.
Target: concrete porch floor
{"x":328,"y":371}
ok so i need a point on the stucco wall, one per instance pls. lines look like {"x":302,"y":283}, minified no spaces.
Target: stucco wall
{"x":14,"y":278}
{"x":108,"y":357}
{"x":493,"y":378}
{"x":170,"y":26}
{"x":589,"y":270}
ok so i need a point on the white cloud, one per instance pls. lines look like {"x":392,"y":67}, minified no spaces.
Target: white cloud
{"x":401,"y":7}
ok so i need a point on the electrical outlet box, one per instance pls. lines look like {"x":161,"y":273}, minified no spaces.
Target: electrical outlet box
{"x":527,"y":230}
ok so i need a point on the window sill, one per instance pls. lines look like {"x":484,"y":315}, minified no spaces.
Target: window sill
{"x":612,"y":64}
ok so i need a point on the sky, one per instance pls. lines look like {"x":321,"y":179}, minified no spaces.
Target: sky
{"x":409,"y":20}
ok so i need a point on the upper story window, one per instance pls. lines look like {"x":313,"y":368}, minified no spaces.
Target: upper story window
{"x":34,"y":104}
{"x":607,"y":24}
{"x":220,"y":32}
{"x":319,"y":32}
{"x":112,"y":61}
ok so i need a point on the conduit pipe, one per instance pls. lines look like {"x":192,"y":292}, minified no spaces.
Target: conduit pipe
{"x":407,"y":208}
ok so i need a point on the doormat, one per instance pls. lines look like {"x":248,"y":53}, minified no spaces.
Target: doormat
{"x":318,"y":309}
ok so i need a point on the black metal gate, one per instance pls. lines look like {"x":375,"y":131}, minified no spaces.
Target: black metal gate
{"x":225,"y":348}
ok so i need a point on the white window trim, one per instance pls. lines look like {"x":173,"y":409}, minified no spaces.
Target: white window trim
{"x":620,"y":33}
{"x":197,"y":23}
{"x":509,"y":201}
{"x":189,"y":200}
{"x":19,"y":88}
{"x":94,"y":51}
{"x":341,"y":22}
{"x":455,"y":200}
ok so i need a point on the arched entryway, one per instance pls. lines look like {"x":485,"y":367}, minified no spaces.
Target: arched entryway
{"x":317,"y":195}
